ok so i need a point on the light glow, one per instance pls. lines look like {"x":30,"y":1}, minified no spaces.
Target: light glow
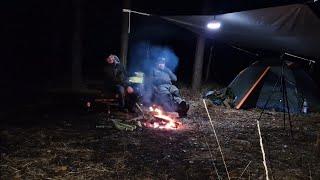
{"x":214,"y":25}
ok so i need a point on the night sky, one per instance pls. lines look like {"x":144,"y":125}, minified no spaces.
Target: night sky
{"x":37,"y":38}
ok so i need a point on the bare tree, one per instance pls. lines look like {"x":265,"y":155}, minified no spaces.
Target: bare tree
{"x":198,"y":63}
{"x":77,"y":45}
{"x":125,"y":33}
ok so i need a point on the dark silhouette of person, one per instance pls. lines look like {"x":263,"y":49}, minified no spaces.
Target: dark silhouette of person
{"x":169,"y":94}
{"x":115,"y":81}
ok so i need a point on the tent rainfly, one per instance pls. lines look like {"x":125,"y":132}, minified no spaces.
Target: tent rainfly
{"x":259,"y":86}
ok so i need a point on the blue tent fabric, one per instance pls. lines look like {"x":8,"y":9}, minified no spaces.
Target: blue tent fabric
{"x":276,"y":98}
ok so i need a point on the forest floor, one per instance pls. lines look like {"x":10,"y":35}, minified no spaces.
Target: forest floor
{"x":72,"y":147}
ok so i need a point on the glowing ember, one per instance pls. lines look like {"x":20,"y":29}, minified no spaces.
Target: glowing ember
{"x":162,"y":120}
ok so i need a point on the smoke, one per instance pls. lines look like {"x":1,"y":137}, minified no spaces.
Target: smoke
{"x":143,"y":57}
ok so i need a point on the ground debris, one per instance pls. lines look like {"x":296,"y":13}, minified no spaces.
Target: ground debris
{"x":84,"y":152}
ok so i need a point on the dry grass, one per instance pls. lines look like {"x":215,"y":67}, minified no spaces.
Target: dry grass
{"x":81,"y":151}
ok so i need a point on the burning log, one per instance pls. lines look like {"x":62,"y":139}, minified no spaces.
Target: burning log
{"x":155,"y":117}
{"x":162,"y":123}
{"x":160,"y":119}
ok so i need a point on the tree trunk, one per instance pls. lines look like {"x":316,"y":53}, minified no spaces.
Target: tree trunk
{"x":125,"y":33}
{"x":198,"y":63}
{"x":209,"y":64}
{"x":77,"y":46}
{"x":318,"y":145}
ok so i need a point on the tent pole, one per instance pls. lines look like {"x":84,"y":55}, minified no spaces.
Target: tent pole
{"x":198,"y":63}
{"x":283,"y":96}
{"x":285,"y":102}
{"x":288,"y":108}
{"x":264,"y":73}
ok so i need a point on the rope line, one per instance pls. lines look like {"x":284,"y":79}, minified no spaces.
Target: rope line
{"x":215,"y":134}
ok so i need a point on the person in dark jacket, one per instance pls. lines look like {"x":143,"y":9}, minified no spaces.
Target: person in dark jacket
{"x":169,"y":95}
{"x":115,"y":81}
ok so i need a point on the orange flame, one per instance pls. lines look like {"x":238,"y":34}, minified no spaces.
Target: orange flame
{"x":167,"y":121}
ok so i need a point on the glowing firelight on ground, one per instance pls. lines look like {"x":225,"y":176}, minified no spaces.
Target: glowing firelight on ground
{"x":164,"y":121}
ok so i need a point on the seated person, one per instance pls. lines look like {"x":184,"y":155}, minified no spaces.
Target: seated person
{"x":115,"y":81}
{"x":168,"y":94}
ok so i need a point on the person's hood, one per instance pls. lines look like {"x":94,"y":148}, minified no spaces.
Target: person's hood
{"x":117,"y":60}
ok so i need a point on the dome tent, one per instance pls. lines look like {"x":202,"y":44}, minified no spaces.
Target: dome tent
{"x":259,"y":85}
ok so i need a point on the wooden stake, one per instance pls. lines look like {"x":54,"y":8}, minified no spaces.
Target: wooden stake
{"x":263,"y":153}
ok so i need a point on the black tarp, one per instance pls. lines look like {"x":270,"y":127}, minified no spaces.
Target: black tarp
{"x":292,"y":28}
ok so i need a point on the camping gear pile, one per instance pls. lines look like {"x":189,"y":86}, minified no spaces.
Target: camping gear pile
{"x":221,"y":97}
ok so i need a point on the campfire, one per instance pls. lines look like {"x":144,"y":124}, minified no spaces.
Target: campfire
{"x":159,"y":119}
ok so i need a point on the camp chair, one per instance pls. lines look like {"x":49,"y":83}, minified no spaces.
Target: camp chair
{"x":107,"y":100}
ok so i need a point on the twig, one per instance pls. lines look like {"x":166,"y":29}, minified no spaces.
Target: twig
{"x":136,"y":118}
{"x":91,"y":169}
{"x":244,"y":170}
{"x":10,"y":167}
{"x":215,"y":134}
{"x":140,"y":109}
{"x":28,"y":163}
{"x":16,"y":171}
{"x":263,"y":154}
{"x":310,"y":176}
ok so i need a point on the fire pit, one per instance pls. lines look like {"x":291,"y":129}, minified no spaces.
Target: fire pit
{"x":159,"y":119}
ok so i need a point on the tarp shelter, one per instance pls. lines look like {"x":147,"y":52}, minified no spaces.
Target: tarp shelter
{"x":259,"y":86}
{"x":292,"y":28}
